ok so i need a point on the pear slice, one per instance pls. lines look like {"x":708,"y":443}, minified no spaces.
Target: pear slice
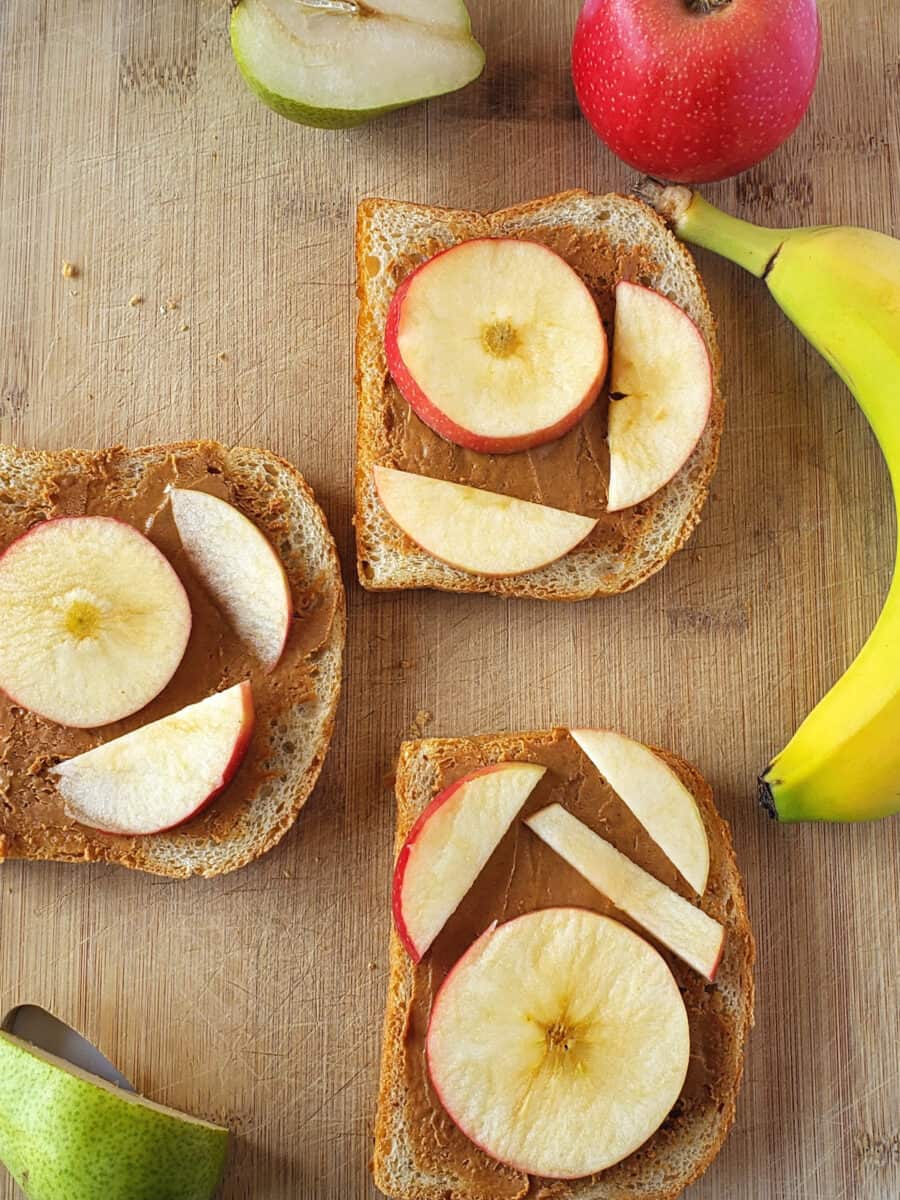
{"x":69,"y":1135}
{"x":336,"y":63}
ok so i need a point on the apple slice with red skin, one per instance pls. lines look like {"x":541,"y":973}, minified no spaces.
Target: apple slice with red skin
{"x":655,"y":795}
{"x":484,"y":533}
{"x":559,"y":1042}
{"x":240,"y":569}
{"x":496,"y":344}
{"x":95,"y":620}
{"x":160,"y":775}
{"x":449,"y":845}
{"x":660,"y":393}
{"x":687,"y":930}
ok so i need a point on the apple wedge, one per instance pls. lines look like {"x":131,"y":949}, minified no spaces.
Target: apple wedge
{"x":449,"y":845}
{"x":160,"y":775}
{"x":685,"y":929}
{"x":240,"y":569}
{"x":660,"y":393}
{"x":559,"y":1042}
{"x":496,"y":344}
{"x":336,"y":63}
{"x":95,"y":621}
{"x":481,"y":532}
{"x":656,"y":797}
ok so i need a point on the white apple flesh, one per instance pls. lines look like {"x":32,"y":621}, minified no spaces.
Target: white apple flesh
{"x":449,"y":845}
{"x":496,"y":344}
{"x":559,"y":1042}
{"x":160,"y":775}
{"x":682,"y":927}
{"x":336,"y":63}
{"x":656,"y":797}
{"x":481,"y":532}
{"x":660,"y":394}
{"x":95,"y":621}
{"x":240,"y":569}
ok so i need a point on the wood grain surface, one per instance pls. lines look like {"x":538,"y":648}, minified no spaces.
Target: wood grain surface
{"x":130,"y":147}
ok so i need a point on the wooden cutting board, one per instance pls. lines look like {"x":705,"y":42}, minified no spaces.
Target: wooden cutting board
{"x":130,"y":147}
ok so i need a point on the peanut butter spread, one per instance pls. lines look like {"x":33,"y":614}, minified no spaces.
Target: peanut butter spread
{"x":522,"y":875}
{"x":571,"y":472}
{"x":32,"y":820}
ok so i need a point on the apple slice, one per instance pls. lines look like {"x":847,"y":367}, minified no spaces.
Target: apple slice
{"x":559,"y":1042}
{"x":496,"y":344}
{"x":481,"y":532}
{"x":656,"y":797}
{"x":449,"y":845}
{"x":95,"y":620}
{"x":336,"y":63}
{"x":240,"y":569}
{"x":158,"y":776}
{"x":685,"y":929}
{"x":660,"y":393}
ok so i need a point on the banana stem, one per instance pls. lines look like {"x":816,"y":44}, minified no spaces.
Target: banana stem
{"x":752,"y":247}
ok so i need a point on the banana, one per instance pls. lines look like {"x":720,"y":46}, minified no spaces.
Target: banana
{"x":841,"y":287}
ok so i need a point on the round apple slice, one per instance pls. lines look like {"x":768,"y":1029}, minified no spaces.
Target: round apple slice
{"x":559,"y":1042}
{"x":95,"y":621}
{"x":449,"y":845}
{"x":336,"y":63}
{"x":240,"y":569}
{"x":481,"y":532}
{"x":660,"y":393}
{"x":496,"y":344}
{"x":158,"y":776}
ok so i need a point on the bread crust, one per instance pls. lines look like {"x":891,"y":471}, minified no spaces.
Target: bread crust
{"x":642,"y":1176}
{"x":388,"y":231}
{"x":308,"y":553}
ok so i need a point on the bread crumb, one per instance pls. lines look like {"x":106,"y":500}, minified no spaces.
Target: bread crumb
{"x":169,"y":306}
{"x":184,"y":327}
{"x":69,"y":270}
{"x":222,"y":356}
{"x":421,"y":721}
{"x":135,"y":300}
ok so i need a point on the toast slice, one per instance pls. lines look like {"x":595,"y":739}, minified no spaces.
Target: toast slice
{"x":419,"y":1153}
{"x":295,"y":703}
{"x":605,"y":238}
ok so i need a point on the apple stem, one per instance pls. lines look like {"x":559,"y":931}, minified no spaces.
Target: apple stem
{"x":702,"y":7}
{"x":753,"y":247}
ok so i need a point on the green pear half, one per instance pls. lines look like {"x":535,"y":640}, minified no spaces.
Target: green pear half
{"x":68,"y":1135}
{"x":336,"y":63}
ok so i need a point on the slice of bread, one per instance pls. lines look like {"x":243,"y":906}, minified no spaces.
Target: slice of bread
{"x":296,"y":703}
{"x":721,"y":1014}
{"x":605,"y":238}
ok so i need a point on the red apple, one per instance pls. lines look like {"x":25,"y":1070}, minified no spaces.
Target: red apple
{"x":159,"y":775}
{"x":496,"y":344}
{"x":695,"y":90}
